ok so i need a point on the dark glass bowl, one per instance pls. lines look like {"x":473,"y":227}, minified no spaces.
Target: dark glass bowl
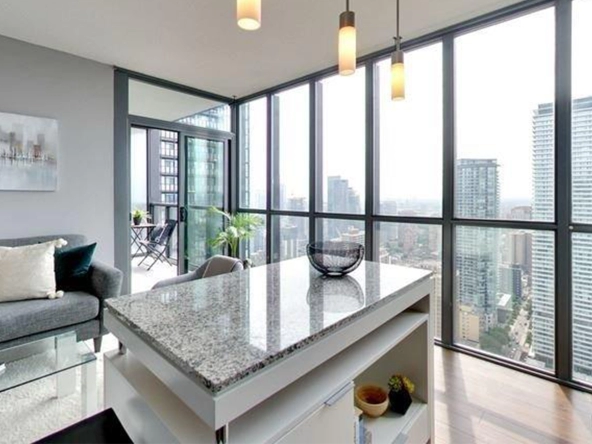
{"x":335,"y":258}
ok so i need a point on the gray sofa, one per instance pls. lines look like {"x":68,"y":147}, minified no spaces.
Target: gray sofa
{"x":29,"y":320}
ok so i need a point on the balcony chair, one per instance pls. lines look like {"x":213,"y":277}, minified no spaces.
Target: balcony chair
{"x":157,"y":245}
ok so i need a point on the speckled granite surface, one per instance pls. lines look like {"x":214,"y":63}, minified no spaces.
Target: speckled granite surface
{"x":223,"y":329}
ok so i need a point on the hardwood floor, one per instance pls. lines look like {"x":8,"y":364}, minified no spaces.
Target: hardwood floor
{"x":480,"y":402}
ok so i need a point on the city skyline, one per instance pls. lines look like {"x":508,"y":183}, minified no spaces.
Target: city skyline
{"x":505,"y":278}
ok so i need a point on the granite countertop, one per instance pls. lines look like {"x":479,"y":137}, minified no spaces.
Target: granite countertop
{"x":220,"y":330}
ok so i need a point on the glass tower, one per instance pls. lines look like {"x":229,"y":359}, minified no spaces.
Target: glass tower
{"x":477,"y":248}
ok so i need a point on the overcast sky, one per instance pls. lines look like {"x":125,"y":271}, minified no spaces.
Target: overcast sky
{"x":502,"y":74}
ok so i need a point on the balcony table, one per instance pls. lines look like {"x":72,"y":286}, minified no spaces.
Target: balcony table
{"x":136,"y":235}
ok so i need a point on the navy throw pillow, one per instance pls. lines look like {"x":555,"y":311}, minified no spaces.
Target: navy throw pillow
{"x":72,"y":268}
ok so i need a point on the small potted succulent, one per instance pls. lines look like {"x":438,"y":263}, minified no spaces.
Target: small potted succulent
{"x":401,"y":388}
{"x":139,"y":215}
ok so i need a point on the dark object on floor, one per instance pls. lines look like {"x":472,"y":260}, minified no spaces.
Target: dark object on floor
{"x":101,"y":428}
{"x":400,"y":401}
{"x":335,"y":258}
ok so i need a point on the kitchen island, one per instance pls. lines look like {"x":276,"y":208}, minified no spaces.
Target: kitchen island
{"x":271,"y":354}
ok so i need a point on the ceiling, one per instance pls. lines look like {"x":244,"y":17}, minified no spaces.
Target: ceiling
{"x":197,"y":42}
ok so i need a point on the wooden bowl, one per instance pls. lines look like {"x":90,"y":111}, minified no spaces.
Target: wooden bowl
{"x":371,"y":399}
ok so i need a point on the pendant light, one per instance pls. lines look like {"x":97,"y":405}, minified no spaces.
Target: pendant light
{"x":248,"y":14}
{"x":398,"y":67}
{"x":347,"y":41}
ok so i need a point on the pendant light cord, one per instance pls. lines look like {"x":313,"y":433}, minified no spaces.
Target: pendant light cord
{"x":398,"y":38}
{"x":347,"y":5}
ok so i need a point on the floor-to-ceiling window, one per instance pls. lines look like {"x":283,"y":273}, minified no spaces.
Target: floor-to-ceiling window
{"x":581,"y":183}
{"x":341,"y":144}
{"x":504,"y":289}
{"x":252,"y":154}
{"x":290,"y":171}
{"x":469,"y":176}
{"x":409,"y":134}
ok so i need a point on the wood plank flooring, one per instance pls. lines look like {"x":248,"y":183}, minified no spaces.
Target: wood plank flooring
{"x":480,"y":402}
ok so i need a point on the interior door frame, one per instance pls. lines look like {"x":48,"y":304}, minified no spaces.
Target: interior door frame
{"x":122,"y":154}
{"x":184,"y":131}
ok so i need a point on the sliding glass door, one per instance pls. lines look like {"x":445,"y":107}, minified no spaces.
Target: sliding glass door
{"x":178,"y":172}
{"x":205,"y":187}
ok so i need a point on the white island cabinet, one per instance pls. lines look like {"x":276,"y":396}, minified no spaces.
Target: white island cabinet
{"x":272,"y":355}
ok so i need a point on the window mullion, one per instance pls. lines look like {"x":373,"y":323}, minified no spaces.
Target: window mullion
{"x":563,"y":100}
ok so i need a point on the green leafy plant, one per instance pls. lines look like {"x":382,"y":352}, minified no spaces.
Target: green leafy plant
{"x":238,"y":227}
{"x":140,"y":214}
{"x":398,"y":382}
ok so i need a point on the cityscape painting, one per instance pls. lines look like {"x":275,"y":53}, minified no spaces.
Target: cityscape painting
{"x":28,"y":153}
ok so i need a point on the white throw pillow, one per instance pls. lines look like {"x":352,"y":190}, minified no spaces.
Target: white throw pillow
{"x":28,"y":272}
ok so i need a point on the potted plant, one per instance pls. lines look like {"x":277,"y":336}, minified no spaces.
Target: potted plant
{"x":401,"y":388}
{"x":238,"y":227}
{"x":139,"y":215}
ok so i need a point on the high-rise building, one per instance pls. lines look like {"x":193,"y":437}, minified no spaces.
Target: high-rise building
{"x":477,"y":189}
{"x":477,"y":248}
{"x":297,"y":203}
{"x":543,"y":255}
{"x":519,"y":250}
{"x":582,"y":245}
{"x":289,"y":240}
{"x":408,"y":235}
{"x":341,"y":198}
{"x":523,"y":212}
{"x":511,"y":280}
{"x":504,"y":308}
{"x":353,"y":234}
{"x":582,"y":160}
{"x":217,"y":117}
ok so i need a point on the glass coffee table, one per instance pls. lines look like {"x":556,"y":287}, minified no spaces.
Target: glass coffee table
{"x":58,"y":355}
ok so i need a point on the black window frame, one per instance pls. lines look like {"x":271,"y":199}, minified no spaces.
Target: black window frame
{"x":562,"y":227}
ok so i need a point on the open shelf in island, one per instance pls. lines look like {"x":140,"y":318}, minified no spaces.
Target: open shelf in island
{"x":270,"y":420}
{"x":394,"y":428}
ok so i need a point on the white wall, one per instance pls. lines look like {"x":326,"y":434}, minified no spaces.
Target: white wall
{"x":79,"y":94}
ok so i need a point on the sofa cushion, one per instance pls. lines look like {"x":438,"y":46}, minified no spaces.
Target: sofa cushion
{"x":23,"y":318}
{"x":72,"y":268}
{"x":27,"y":272}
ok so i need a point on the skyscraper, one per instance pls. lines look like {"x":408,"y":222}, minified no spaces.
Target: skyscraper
{"x":217,"y":117}
{"x":477,"y":186}
{"x":582,"y":243}
{"x":511,"y":280}
{"x":477,"y":248}
{"x":543,"y":255}
{"x":582,"y":160}
{"x":519,"y":250}
{"x":523,"y":212}
{"x":341,"y":198}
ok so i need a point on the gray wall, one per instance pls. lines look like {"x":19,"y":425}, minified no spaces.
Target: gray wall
{"x":79,"y":94}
